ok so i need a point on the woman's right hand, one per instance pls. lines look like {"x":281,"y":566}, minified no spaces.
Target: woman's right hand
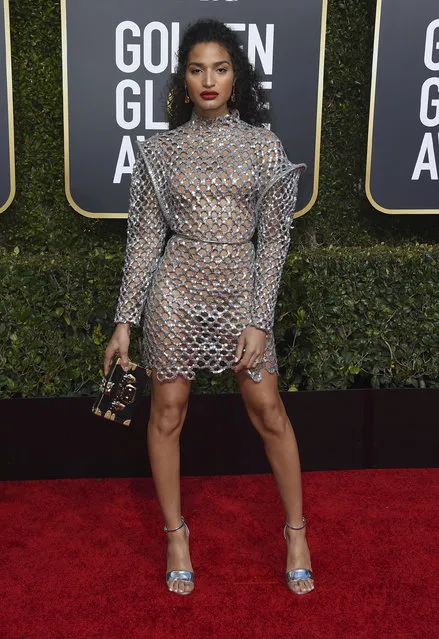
{"x":118,"y":345}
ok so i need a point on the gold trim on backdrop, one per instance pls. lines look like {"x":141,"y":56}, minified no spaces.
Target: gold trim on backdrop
{"x":10,"y":107}
{"x":66,"y":126}
{"x":371,"y":129}
{"x":319,"y":114}
{"x":125,"y":215}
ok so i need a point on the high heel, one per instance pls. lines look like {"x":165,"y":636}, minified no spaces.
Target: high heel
{"x":180,"y":575}
{"x":300,"y":574}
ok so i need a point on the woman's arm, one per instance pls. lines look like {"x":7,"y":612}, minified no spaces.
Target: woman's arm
{"x":146,"y":233}
{"x":275,"y":210}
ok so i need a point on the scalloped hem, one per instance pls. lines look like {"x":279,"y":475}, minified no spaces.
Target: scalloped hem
{"x":254,"y":374}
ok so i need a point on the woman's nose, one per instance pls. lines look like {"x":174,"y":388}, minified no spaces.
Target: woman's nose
{"x":209,"y":79}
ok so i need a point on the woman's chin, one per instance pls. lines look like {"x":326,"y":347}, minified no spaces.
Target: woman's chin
{"x":207,"y":107}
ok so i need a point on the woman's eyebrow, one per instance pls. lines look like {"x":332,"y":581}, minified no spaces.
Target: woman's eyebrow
{"x":215,"y":64}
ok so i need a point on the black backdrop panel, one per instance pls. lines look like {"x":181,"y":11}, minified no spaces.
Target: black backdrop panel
{"x":335,"y":430}
{"x":7,"y":177}
{"x":403,"y":154}
{"x":118,"y":57}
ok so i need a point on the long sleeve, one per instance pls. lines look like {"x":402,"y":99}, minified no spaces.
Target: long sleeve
{"x":146,"y":232}
{"x":274,"y":209}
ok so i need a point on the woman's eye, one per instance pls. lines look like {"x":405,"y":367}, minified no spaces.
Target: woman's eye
{"x":222,"y":69}
{"x":195,"y":71}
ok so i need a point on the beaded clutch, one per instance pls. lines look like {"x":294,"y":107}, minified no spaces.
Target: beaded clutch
{"x":120,"y":392}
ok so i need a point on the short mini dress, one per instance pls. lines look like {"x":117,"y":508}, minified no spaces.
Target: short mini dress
{"x":210,"y":213}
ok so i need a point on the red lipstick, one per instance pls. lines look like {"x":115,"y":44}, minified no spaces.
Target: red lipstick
{"x":209,"y":95}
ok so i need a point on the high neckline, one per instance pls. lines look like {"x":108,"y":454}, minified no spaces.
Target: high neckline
{"x":228,"y":118}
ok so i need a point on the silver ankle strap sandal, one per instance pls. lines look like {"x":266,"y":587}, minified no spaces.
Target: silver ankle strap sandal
{"x":180,"y":575}
{"x":300,"y":574}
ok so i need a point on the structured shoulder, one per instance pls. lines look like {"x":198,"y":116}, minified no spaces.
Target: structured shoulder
{"x":270,"y":142}
{"x":153,"y":141}
{"x":156,"y":147}
{"x":274,"y":162}
{"x":272,"y":154}
{"x":261,"y":133}
{"x":268,"y":146}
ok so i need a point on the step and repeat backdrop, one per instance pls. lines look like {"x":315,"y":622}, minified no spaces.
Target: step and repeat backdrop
{"x":118,"y":56}
{"x":403,"y":151}
{"x":7,"y":168}
{"x":117,"y":59}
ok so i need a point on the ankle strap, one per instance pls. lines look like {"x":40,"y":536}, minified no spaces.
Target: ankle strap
{"x":166,"y":529}
{"x":297,"y":527}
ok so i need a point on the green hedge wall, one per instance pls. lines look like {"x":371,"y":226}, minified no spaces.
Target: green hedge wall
{"x":346,"y":317}
{"x":357,"y":304}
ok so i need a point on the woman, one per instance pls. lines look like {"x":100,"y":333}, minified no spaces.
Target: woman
{"x":207,"y":297}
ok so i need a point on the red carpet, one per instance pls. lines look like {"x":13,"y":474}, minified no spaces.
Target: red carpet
{"x":86,"y":558}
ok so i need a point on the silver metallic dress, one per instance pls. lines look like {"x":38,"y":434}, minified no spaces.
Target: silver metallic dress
{"x":213,"y":182}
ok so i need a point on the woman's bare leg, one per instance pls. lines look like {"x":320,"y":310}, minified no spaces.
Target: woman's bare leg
{"x":267,"y":414}
{"x":169,"y":402}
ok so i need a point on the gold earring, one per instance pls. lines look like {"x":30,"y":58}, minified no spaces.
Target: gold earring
{"x":186,"y":97}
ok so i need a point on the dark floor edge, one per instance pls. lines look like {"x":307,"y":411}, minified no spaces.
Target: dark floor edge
{"x":46,"y":438}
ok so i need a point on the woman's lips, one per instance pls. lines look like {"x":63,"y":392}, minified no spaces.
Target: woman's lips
{"x":209,"y":95}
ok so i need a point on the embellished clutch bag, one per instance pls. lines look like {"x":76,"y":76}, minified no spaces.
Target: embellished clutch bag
{"x":120,"y":393}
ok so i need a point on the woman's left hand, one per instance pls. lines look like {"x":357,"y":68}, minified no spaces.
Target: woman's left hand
{"x":251,"y":346}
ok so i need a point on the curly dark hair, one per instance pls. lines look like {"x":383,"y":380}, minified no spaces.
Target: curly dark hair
{"x":250,"y":97}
